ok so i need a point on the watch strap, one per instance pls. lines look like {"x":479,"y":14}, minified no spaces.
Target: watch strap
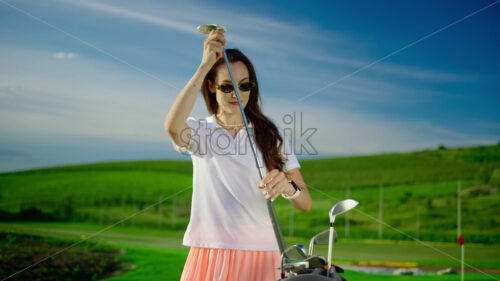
{"x":297,"y":191}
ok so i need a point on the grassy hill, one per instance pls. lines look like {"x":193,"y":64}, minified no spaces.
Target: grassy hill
{"x":425,"y":180}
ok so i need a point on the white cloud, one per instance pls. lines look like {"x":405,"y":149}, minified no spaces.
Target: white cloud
{"x":265,"y":35}
{"x":168,"y":15}
{"x":119,"y":104}
{"x":281,"y":44}
{"x":348,"y":132}
{"x":61,"y":97}
{"x":260,"y":34}
{"x":85,"y":98}
{"x":65,"y":55}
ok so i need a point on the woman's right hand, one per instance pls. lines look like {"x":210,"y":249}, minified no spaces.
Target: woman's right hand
{"x":212,"y":47}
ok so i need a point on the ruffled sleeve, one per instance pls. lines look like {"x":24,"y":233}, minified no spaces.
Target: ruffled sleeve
{"x":197,"y":131}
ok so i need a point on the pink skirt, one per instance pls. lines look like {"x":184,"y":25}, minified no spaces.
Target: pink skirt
{"x":210,"y":264}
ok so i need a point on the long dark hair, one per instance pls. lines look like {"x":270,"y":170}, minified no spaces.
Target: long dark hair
{"x":266,"y":134}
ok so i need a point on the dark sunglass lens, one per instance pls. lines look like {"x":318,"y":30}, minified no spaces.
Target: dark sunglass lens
{"x":245,"y":86}
{"x":227,"y":88}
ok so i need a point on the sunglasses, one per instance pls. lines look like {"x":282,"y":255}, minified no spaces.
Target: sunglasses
{"x":228,"y":88}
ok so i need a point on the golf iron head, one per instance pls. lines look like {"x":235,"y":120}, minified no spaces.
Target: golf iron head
{"x":321,"y":239}
{"x":205,"y":29}
{"x":294,"y":253}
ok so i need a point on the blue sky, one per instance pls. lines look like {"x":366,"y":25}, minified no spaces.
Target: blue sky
{"x":89,"y":81}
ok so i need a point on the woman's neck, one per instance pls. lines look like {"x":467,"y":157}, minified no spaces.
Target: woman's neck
{"x":230,"y":119}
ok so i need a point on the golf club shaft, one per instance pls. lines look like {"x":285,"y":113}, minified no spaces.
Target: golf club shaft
{"x":330,"y":244}
{"x":270,"y":207}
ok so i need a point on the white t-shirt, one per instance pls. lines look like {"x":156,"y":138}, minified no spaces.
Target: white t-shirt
{"x":227,"y":209}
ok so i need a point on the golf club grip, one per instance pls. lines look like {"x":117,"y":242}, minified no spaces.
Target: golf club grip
{"x":270,"y":207}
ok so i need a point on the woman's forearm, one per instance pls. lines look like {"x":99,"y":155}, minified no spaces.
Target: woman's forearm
{"x":303,"y":202}
{"x":183,"y":105}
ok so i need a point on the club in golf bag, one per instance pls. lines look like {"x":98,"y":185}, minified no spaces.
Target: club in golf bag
{"x":315,"y":267}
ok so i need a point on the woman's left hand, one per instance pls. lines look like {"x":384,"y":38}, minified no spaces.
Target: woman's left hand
{"x":275,"y":183}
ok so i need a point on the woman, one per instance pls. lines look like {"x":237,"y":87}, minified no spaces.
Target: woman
{"x":230,"y":232}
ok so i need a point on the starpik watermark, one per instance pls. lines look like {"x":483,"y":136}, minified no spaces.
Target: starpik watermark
{"x":205,"y":137}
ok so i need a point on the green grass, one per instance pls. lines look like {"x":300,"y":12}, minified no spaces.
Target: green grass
{"x":46,"y":188}
{"x":152,"y":263}
{"x":437,"y":207}
{"x":402,"y":168}
{"x":345,"y":251}
{"x":162,"y":264}
{"x":159,"y":255}
{"x":107,"y":192}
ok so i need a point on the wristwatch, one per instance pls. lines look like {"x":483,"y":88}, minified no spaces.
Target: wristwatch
{"x":297,"y":191}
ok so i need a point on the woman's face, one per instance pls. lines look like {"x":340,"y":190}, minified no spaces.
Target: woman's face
{"x":228,"y":102}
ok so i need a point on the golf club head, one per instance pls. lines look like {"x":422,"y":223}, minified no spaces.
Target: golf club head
{"x":316,"y":261}
{"x":205,"y":29}
{"x":342,"y":207}
{"x":294,"y":253}
{"x":296,"y":266}
{"x":321,"y":239}
{"x":303,"y":248}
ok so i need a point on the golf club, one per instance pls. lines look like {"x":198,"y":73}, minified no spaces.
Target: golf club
{"x":339,"y":208}
{"x":317,"y":261}
{"x":205,"y":29}
{"x":314,"y":268}
{"x":321,"y":239}
{"x":293,"y":253}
